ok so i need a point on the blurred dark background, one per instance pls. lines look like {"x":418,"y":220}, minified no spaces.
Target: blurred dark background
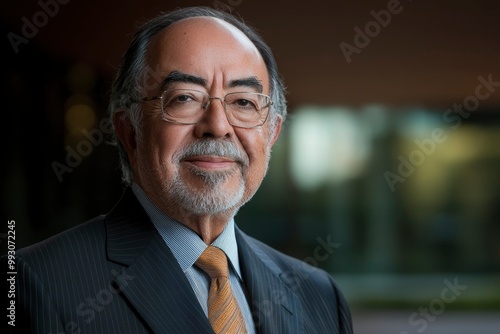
{"x":375,"y":178}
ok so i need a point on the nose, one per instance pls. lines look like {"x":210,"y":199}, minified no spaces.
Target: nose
{"x":214,"y":123}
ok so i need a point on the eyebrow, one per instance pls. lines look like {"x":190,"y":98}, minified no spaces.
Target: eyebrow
{"x":176,"y":76}
{"x":251,"y":82}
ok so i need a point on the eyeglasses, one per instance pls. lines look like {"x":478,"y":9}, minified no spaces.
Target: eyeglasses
{"x":186,"y":106}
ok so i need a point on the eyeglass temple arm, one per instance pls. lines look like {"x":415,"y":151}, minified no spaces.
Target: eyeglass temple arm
{"x":152,"y":98}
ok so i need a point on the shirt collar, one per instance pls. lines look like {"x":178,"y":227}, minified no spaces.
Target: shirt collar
{"x":184,"y":243}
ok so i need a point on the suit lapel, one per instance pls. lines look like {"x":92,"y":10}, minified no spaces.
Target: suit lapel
{"x":275,"y":307}
{"x":152,"y":282}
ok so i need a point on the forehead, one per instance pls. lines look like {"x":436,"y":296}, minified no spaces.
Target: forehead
{"x":205,"y":46}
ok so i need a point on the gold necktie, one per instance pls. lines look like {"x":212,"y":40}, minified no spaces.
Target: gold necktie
{"x":224,"y":312}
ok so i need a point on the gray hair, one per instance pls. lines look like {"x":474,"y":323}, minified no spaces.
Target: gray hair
{"x":128,"y":87}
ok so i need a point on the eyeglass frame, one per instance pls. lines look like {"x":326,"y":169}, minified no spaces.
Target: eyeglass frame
{"x":210,"y":98}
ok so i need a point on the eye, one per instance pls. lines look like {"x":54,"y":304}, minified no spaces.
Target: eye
{"x":182,"y":98}
{"x":244,"y":103}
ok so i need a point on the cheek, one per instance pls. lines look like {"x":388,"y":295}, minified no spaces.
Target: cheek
{"x":159,"y":143}
{"x":255,"y":145}
{"x":258,"y":142}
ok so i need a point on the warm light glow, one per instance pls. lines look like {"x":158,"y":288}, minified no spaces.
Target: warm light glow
{"x":79,"y":117}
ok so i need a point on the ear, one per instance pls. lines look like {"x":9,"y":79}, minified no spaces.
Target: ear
{"x":275,"y":131}
{"x":125,"y":133}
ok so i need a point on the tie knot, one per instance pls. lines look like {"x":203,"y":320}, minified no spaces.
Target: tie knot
{"x":213,"y":261}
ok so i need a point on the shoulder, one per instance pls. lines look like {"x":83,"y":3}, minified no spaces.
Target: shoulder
{"x":283,"y":260}
{"x":67,"y":248}
{"x":293,"y":270}
{"x":317,"y":290}
{"x":91,"y":231}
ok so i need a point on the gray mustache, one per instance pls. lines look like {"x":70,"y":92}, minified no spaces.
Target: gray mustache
{"x":213,"y":147}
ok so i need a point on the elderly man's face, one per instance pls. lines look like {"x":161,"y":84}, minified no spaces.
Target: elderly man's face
{"x":170,"y":161}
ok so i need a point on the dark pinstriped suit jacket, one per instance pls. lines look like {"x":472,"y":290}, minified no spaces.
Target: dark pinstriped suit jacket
{"x":115,"y":274}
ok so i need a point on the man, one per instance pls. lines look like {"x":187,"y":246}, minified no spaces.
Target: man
{"x":196,"y":106}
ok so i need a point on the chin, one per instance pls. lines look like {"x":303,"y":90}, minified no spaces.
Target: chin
{"x":207,"y":196}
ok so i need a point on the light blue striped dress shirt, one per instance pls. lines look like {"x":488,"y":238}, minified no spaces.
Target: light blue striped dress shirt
{"x":187,"y":246}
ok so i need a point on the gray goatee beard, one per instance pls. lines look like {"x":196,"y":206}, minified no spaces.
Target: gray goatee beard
{"x":211,"y":198}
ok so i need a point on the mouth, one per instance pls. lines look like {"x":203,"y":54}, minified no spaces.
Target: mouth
{"x":211,"y":163}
